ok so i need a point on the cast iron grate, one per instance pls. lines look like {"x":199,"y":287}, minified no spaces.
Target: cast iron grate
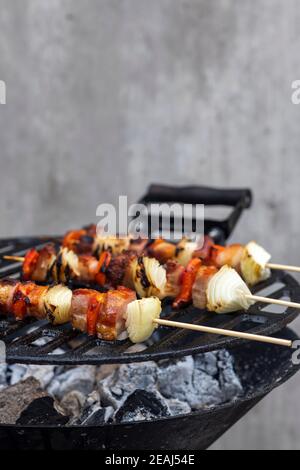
{"x":38,"y":342}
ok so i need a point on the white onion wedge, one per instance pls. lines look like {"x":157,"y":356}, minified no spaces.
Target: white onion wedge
{"x":139,"y":318}
{"x":226,"y":292}
{"x":58,"y":304}
{"x":185,"y":250}
{"x":149,"y":277}
{"x":253,"y":264}
{"x":70,"y":259}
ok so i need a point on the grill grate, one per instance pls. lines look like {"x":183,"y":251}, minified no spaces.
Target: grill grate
{"x":38,"y":342}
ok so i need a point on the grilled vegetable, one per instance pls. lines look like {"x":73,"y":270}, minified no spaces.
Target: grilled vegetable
{"x":226,"y":292}
{"x":188,"y":279}
{"x":104,"y":263}
{"x":139,"y":318}
{"x":253,"y":264}
{"x":65,"y":266}
{"x":149,"y":277}
{"x":30,"y":263}
{"x":57,"y":303}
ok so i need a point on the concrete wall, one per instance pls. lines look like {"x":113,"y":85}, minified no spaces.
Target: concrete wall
{"x":106,"y":96}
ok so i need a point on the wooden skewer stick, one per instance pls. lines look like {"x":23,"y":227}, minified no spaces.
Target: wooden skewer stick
{"x":220,"y":331}
{"x":279,"y":267}
{"x":275,"y":266}
{"x":256,"y":298}
{"x":267,"y":300}
{"x":21,"y":259}
{"x":283,"y":267}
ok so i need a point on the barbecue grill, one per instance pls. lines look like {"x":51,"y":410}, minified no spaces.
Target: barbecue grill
{"x":64,"y":346}
{"x":271,"y":366}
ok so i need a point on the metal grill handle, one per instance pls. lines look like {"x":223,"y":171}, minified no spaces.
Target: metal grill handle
{"x":219,"y":230}
{"x":199,"y":195}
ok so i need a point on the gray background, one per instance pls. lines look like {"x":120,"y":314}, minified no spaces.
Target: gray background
{"x":106,"y":96}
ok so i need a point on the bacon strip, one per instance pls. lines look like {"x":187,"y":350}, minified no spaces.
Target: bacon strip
{"x":175,"y":272}
{"x":104,"y":263}
{"x":111,"y":321}
{"x":188,"y":279}
{"x":204,"y":275}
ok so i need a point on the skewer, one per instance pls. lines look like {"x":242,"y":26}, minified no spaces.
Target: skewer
{"x":20,"y":259}
{"x":266,"y":300}
{"x":141,"y":315}
{"x":273,"y":266}
{"x":283,"y":267}
{"x":255,"y":298}
{"x":220,"y":331}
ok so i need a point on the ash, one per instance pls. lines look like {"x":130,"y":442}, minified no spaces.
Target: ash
{"x":90,"y":395}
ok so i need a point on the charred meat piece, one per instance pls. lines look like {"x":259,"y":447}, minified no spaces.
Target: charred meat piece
{"x":227,"y":255}
{"x":7,"y":290}
{"x":111,"y":320}
{"x":38,"y":264}
{"x":174,"y":278}
{"x":85,"y":307}
{"x":162,"y":250}
{"x":188,"y":279}
{"x":80,"y":241}
{"x":119,"y":267}
{"x":204,"y":251}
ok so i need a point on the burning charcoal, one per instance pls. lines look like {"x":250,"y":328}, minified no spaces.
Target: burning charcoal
{"x":80,"y":378}
{"x":207,"y":390}
{"x":3,"y":375}
{"x":142,"y":405}
{"x":207,"y":363}
{"x":42,"y":411}
{"x":178,"y":407}
{"x":229,"y":381}
{"x":126,"y":379}
{"x":175,"y":379}
{"x":200,"y":381}
{"x":72,"y":403}
{"x":16,"y":373}
{"x":16,"y":398}
{"x":91,"y":405}
{"x":44,"y":374}
{"x":215,"y":379}
{"x":105,"y":370}
{"x":97,"y":416}
{"x":92,"y":413}
{"x":58,"y":370}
